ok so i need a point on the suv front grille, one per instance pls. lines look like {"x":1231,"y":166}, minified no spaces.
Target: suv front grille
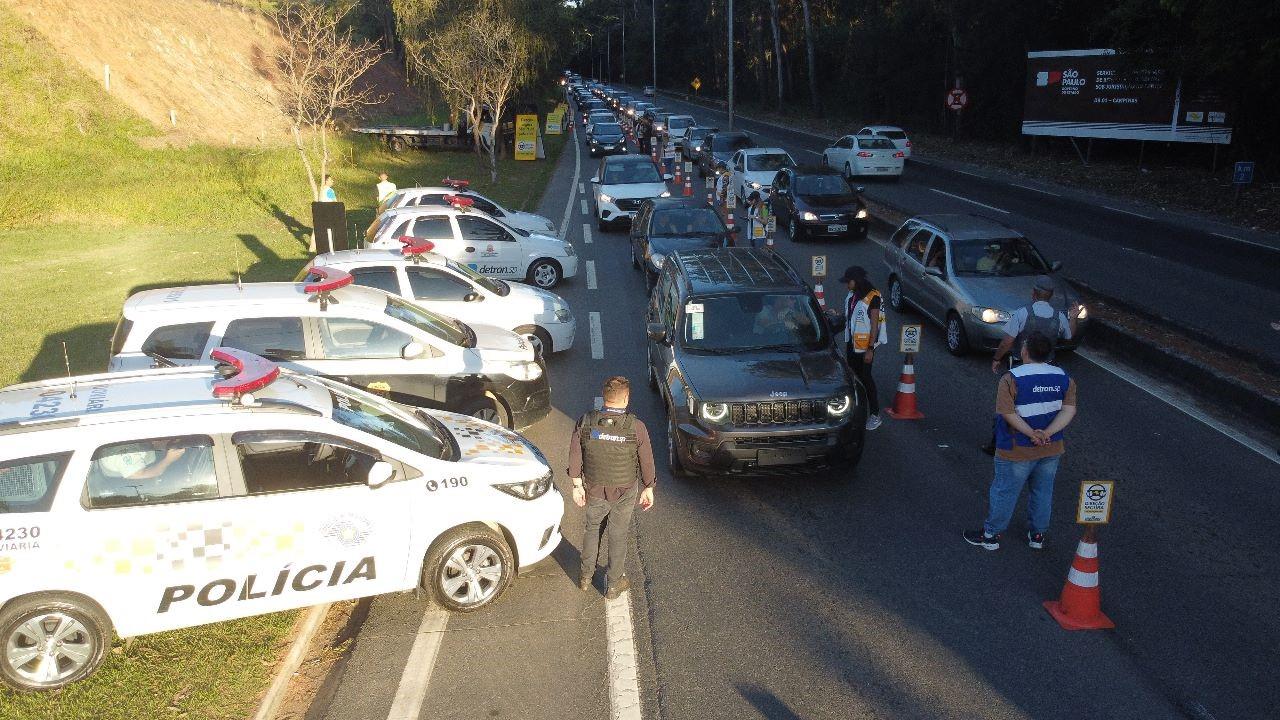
{"x":773,"y":441}
{"x":629,"y":203}
{"x":778,"y":412}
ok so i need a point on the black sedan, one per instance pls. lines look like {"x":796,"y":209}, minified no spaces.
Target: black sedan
{"x":815,"y":202}
{"x":718,"y":148}
{"x":665,"y":225}
{"x":606,"y":138}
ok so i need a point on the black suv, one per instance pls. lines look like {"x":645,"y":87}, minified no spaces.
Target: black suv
{"x":665,"y":225}
{"x":718,"y":148}
{"x":817,"y":202}
{"x":747,"y":367}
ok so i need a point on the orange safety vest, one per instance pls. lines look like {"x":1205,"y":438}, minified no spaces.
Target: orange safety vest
{"x":860,"y":323}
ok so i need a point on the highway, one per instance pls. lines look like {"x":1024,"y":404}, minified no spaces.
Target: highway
{"x":853,"y":595}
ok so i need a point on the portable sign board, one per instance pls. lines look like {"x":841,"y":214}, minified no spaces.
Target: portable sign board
{"x":1243,"y":174}
{"x":526,"y":137}
{"x":555,"y":121}
{"x":910,"y":340}
{"x":819,"y":266}
{"x":771,"y":227}
{"x":1095,"y":502}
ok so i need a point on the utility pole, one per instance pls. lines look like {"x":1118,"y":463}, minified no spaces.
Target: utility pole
{"x":622,"y":76}
{"x":653,"y":19}
{"x":608,"y":54}
{"x":730,"y":65}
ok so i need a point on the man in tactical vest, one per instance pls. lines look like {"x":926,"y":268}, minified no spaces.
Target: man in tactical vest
{"x":609,"y":459}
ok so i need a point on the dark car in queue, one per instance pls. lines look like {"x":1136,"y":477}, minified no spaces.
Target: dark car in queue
{"x":666,"y":225}
{"x":585,"y":108}
{"x":693,"y":141}
{"x":606,"y":138}
{"x":748,"y":369}
{"x":718,"y":148}
{"x":817,"y":202}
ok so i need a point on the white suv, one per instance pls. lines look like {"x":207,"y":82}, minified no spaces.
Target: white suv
{"x":358,"y":335}
{"x":142,"y":502}
{"x":453,"y":289}
{"x":621,"y":184}
{"x":754,"y":169}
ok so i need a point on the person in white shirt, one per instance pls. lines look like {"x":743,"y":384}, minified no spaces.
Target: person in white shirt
{"x":385,"y":187}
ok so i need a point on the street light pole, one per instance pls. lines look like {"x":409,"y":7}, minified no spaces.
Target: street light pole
{"x":653,"y":18}
{"x":730,"y":64}
{"x":608,"y":55}
{"x":622,"y":75}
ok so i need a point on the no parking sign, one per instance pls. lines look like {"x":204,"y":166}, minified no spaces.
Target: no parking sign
{"x":909,"y":342}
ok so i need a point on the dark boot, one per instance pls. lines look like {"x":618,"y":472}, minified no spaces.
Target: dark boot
{"x":613,"y":592}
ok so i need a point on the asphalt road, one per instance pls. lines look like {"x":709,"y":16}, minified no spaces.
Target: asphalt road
{"x":1217,"y":279}
{"x":853,"y":596}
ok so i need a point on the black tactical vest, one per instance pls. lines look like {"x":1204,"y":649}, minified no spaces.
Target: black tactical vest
{"x":610,"y":450}
{"x":1050,"y":327}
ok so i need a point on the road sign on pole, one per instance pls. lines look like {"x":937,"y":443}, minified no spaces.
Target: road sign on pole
{"x":819,"y":266}
{"x":957,"y":99}
{"x":1243,"y":174}
{"x":696,"y":83}
{"x":1095,"y":502}
{"x":909,"y":343}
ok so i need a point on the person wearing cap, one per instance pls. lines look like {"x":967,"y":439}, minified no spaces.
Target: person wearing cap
{"x":1037,"y":316}
{"x":757,"y":217}
{"x":384,"y":187}
{"x":862,"y":330}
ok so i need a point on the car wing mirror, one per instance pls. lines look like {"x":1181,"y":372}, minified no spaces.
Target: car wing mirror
{"x":595,"y":179}
{"x":657,"y":332}
{"x":413,"y":349}
{"x":472,"y":297}
{"x":1056,"y":265}
{"x":934,"y":271}
{"x":380,"y":474}
{"x":860,"y":189}
{"x":667,"y":176}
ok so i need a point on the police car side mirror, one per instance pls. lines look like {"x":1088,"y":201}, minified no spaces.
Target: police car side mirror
{"x":380,"y":473}
{"x":1056,"y":265}
{"x":413,"y":350}
{"x":472,"y":297}
{"x":657,"y":332}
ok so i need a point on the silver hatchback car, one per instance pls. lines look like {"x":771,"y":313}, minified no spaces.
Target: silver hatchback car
{"x":969,"y":274}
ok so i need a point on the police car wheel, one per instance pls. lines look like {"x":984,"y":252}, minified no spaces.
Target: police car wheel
{"x":537,"y":337}
{"x":50,"y":640}
{"x":487,"y":409}
{"x":544,"y":273}
{"x":957,"y":340}
{"x":468,"y":567}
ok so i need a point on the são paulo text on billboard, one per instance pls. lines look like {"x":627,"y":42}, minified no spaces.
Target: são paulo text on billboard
{"x":1099,"y":93}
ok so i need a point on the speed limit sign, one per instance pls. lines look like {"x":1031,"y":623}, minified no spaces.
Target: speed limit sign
{"x":910,"y":340}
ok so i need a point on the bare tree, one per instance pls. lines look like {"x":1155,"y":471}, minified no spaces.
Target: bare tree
{"x":808,"y":48}
{"x":319,"y":65}
{"x":777,"y":47}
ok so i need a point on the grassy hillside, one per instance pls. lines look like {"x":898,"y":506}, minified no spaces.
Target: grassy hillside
{"x":91,"y":209}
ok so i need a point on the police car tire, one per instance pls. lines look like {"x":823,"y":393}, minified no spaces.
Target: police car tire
{"x":446,"y":545}
{"x":539,"y":264}
{"x":478,"y":405}
{"x":538,"y":336}
{"x":96,"y":624}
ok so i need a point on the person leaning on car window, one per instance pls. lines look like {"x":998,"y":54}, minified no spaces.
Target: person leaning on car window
{"x":1036,"y":316}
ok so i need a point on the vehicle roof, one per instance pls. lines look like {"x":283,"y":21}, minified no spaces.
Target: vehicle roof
{"x":733,"y":133}
{"x":762,"y":151}
{"x":678,"y":202}
{"x":709,"y":270}
{"x":802,"y":170}
{"x":371,"y":255}
{"x":183,"y":299}
{"x":883,"y":127}
{"x":682,"y":115}
{"x":108,"y":397}
{"x":628,"y":158}
{"x":967,"y":226}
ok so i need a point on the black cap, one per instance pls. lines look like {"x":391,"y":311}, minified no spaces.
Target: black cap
{"x":853,"y":272}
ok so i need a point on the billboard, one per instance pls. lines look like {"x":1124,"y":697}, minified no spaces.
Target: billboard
{"x":1097,"y":93}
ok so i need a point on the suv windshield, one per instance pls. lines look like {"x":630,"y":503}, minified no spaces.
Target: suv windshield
{"x":685,"y":221}
{"x":630,"y":171}
{"x":447,"y":329}
{"x":822,"y":185}
{"x":730,"y":143}
{"x":606,"y":129}
{"x":1006,"y":257}
{"x":679,"y":123}
{"x":768,"y":161}
{"x":493,"y":285}
{"x":753,"y":321}
{"x":384,"y":422}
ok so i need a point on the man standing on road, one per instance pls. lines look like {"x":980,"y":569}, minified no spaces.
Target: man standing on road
{"x":609,"y":458}
{"x":1034,"y":403}
{"x":384,"y":188}
{"x":863,"y":330}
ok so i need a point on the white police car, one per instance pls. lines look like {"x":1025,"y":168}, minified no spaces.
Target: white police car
{"x":357,"y":335}
{"x":434,"y":196}
{"x":156,"y":500}
{"x":450,"y":288}
{"x":478,"y":241}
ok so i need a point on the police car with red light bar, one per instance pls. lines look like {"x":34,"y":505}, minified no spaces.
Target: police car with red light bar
{"x":455,"y":290}
{"x":475,"y":239}
{"x":427,"y":196}
{"x":358,"y":335}
{"x":141,"y":502}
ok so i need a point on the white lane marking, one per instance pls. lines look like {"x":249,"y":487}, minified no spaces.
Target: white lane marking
{"x":813,"y":152}
{"x":975,"y":202}
{"x":586,"y":233}
{"x":1247,"y":242}
{"x":1038,"y":190}
{"x":584,"y":206}
{"x":577,"y":170}
{"x":966,"y":172}
{"x":624,"y":687}
{"x":597,"y":337}
{"x":582,"y":188}
{"x":1171,"y":400}
{"x":1127,"y":212}
{"x":591,"y":274}
{"x":417,"y":670}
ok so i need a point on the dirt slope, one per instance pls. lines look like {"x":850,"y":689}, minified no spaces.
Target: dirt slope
{"x":207,"y":62}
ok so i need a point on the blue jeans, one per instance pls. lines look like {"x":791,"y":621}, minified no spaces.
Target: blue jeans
{"x":1010,"y":478}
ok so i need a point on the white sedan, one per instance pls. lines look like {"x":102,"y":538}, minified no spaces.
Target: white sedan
{"x":453,"y":289}
{"x":894,"y":133}
{"x":857,"y":155}
{"x":419,"y":196}
{"x":480,"y":242}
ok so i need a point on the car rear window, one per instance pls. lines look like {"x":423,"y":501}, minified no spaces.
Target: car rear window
{"x":894,"y":134}
{"x":29,"y":484}
{"x":876,"y":143}
{"x":178,"y":342}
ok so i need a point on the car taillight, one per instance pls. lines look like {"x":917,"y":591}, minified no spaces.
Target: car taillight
{"x":865,"y":154}
{"x":908,"y":143}
{"x":899,"y":154}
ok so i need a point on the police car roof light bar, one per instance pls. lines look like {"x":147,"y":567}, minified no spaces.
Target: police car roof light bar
{"x":252,"y":372}
{"x":456,"y":184}
{"x":459,"y":202}
{"x":330,"y":279}
{"x":414,"y":247}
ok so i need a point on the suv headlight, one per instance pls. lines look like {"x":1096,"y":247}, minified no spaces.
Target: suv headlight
{"x":808,"y":216}
{"x":657,"y":259}
{"x":754,"y":185}
{"x":527,"y":371}
{"x":562,"y":312}
{"x":839,"y":406}
{"x":715,"y":412}
{"x":665,"y":193}
{"x":529,"y":489}
{"x":991,"y":316}
{"x":606,"y":198}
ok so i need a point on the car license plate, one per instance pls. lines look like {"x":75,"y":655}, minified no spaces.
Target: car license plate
{"x":837,"y":228}
{"x":781,"y":456}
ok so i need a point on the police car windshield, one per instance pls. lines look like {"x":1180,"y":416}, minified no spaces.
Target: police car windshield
{"x":753,"y":321}
{"x":493,"y":285}
{"x":384,"y":422}
{"x":640,"y":170}
{"x":445,"y":328}
{"x":1005,"y":257}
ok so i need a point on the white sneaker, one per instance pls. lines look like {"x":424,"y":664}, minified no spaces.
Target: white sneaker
{"x":873,"y":422}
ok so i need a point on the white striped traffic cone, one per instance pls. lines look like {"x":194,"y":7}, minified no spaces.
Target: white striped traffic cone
{"x":1080,"y":607}
{"x":904,"y":401}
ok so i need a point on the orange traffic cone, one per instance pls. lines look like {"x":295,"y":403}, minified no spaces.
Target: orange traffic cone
{"x":1079,"y":608}
{"x":820,"y":295}
{"x":904,"y":402}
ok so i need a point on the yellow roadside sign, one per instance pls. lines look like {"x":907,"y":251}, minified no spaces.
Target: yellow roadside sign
{"x":555,"y":121}
{"x":526,"y":137}
{"x":696,"y":84}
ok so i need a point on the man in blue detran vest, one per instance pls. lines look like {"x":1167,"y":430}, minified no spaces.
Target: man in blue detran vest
{"x":1034,"y":403}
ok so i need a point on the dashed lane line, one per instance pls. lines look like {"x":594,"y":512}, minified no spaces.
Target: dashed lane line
{"x":597,"y":337}
{"x":1126,"y":212}
{"x":581,"y":187}
{"x":577,"y":171}
{"x":584,"y":206}
{"x":1247,"y":242}
{"x":586,"y":233}
{"x":965,"y":199}
{"x":1035,"y":190}
{"x":591,"y":274}
{"x":417,"y":670}
{"x":624,"y":687}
